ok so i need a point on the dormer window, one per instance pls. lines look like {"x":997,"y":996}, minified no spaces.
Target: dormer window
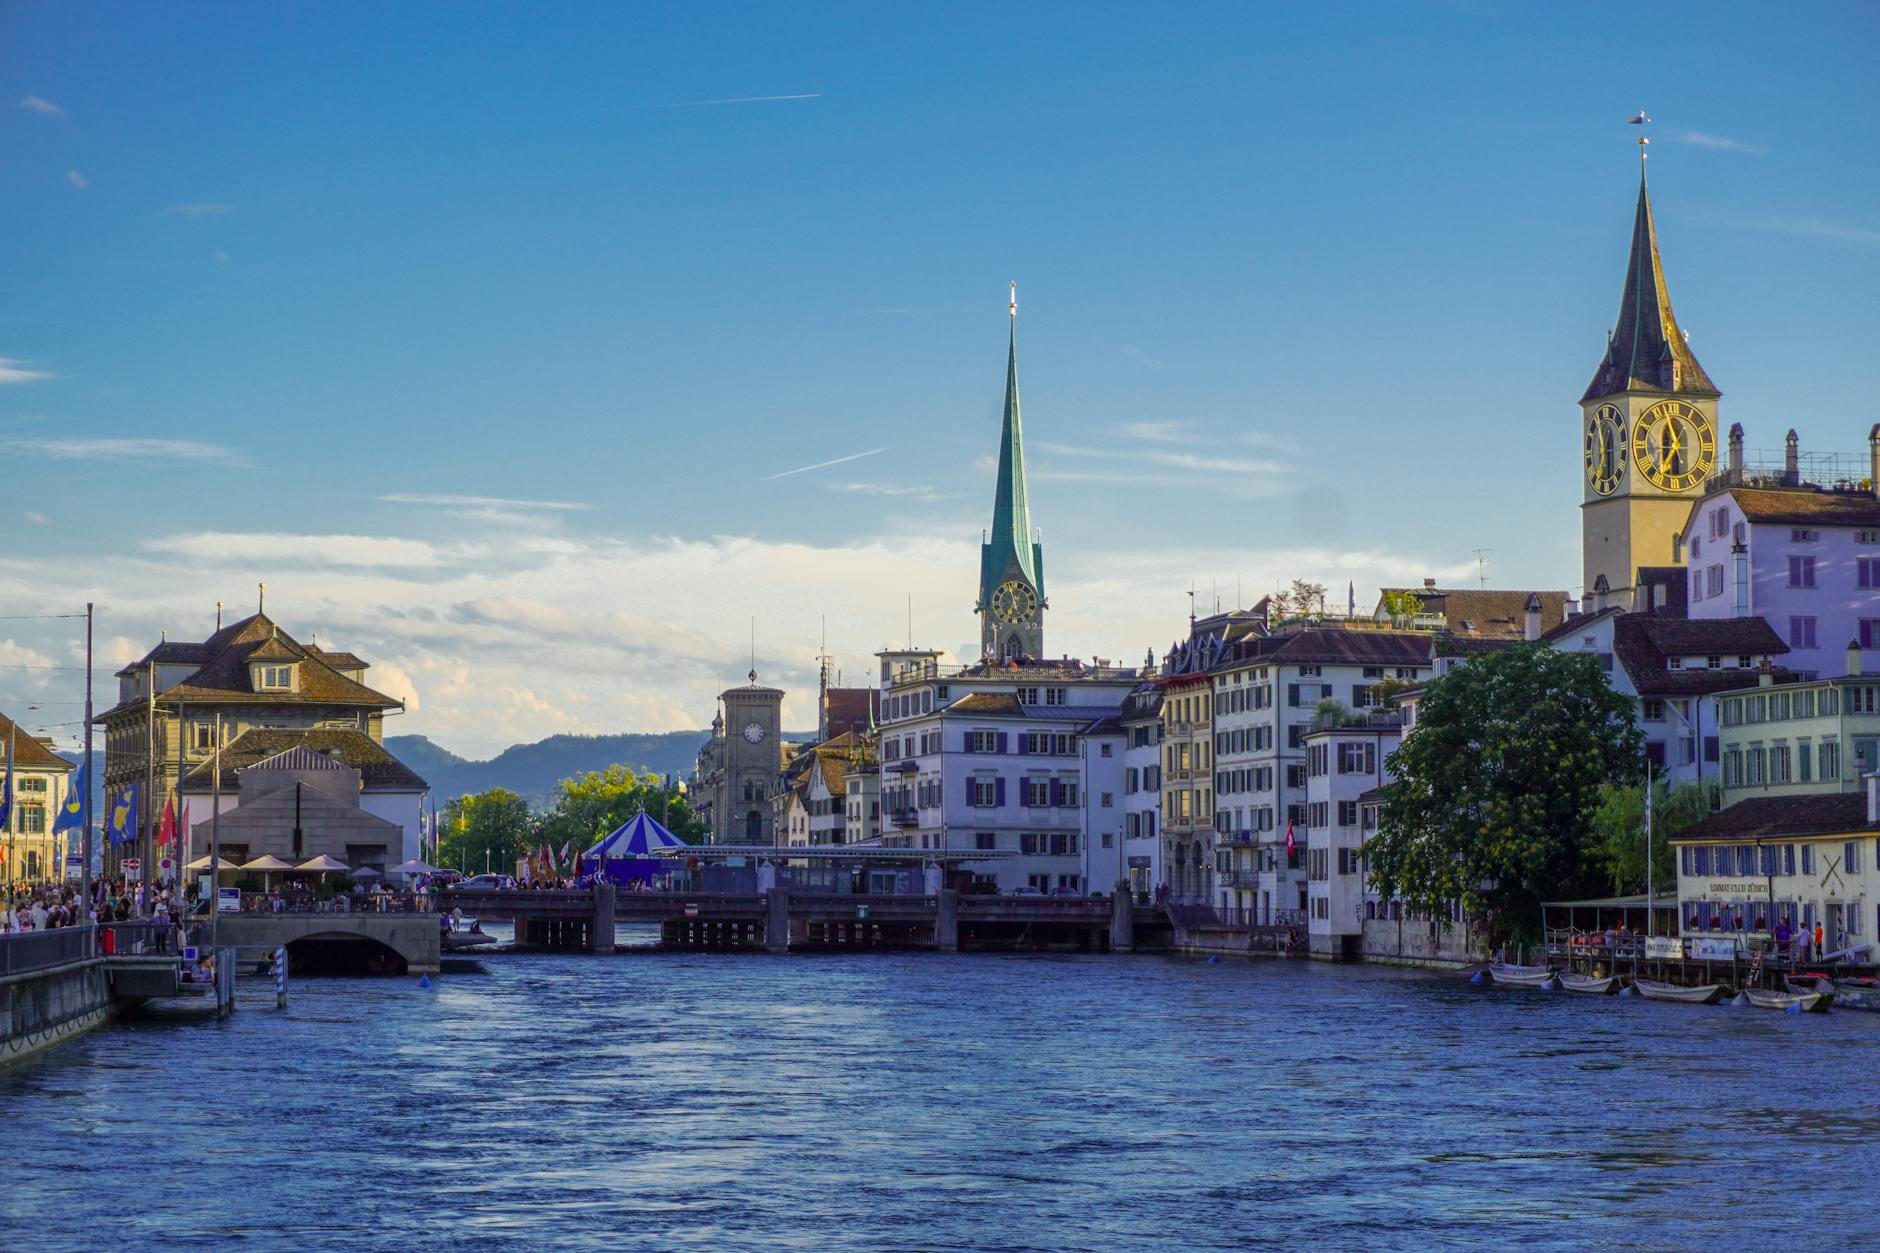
{"x":268,"y":678}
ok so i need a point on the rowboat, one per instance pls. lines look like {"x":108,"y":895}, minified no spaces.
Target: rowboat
{"x":1812,"y":985}
{"x":1811,"y":1002}
{"x":1703,"y":994}
{"x":1597,"y":985}
{"x":1521,"y":976}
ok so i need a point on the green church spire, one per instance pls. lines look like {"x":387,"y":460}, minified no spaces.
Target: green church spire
{"x":1011,"y":539}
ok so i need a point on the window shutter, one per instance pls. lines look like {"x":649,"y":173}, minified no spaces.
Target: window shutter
{"x":1057,"y":791}
{"x":970,"y":797}
{"x":1023,"y":741}
{"x":1000,"y":741}
{"x":998,"y":790}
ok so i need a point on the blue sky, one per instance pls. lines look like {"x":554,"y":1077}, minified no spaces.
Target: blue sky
{"x":475,"y":333}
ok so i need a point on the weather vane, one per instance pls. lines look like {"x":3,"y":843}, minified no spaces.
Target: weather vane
{"x":1639,"y":119}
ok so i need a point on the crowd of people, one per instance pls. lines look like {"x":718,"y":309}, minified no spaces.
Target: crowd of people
{"x":44,"y":907}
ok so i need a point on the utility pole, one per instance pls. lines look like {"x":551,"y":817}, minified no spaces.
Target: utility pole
{"x":85,"y":802}
{"x":215,"y":838}
{"x":145,"y":823}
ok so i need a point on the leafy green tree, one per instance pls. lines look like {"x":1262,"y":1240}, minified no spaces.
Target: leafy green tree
{"x":1496,"y":787}
{"x":1618,"y":843}
{"x":591,"y":805}
{"x":1402,"y":606}
{"x":488,"y":829}
{"x":1330,"y":712}
{"x":1307,"y":596}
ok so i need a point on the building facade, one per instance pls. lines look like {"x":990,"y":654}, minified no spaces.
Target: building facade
{"x":1141,"y":722}
{"x":740,"y":766}
{"x":32,"y":852}
{"x":1345,"y":767}
{"x":1011,"y":601}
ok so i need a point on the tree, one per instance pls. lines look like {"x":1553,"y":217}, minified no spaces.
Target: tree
{"x":1402,"y":606}
{"x":593,"y":804}
{"x":1496,"y":787}
{"x":1307,"y":596}
{"x":1330,"y":713}
{"x":1618,"y":843}
{"x":488,"y":830}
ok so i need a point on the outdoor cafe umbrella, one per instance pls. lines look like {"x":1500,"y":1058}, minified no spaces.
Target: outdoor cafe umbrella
{"x":202,"y":863}
{"x":323,"y":865}
{"x":414,"y":866}
{"x":366,"y":872}
{"x":267,"y":864}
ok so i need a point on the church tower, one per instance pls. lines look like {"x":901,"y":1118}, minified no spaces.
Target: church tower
{"x":1011,"y":561}
{"x":1649,"y":421}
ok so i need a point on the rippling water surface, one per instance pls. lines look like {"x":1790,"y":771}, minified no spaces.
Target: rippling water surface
{"x":666,"y":1100}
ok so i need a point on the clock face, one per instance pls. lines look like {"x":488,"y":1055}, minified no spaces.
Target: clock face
{"x":754,"y":733}
{"x":1014,"y":603}
{"x":1605,"y":450}
{"x":1673,"y":446}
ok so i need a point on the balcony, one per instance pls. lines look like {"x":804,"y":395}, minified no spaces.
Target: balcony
{"x":904,"y":817}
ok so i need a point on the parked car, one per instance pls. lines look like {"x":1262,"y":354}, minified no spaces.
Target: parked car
{"x":444,"y":878}
{"x":487,"y":882}
{"x":1026,"y":891}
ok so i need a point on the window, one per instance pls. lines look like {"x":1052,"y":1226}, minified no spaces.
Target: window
{"x":1054,"y":696}
{"x":1801,"y":571}
{"x":1802,"y":631}
{"x":1652,"y":710}
{"x":1361,"y":696}
{"x":1109,"y":800}
{"x":1037,"y":793}
{"x":1800,"y":536}
{"x":1870,"y":632}
{"x":1808,"y":859}
{"x":1347,"y":813}
{"x":985,"y":792}
{"x":1295,"y":775}
{"x":985,"y":840}
{"x":1027,"y":695}
{"x":1104,"y":751}
{"x":1830,"y":760}
{"x":1850,"y":859}
{"x":982,"y":742}
{"x":1360,"y":758}
{"x":32,"y":819}
{"x":1868,"y":571}
{"x":1867,"y":537}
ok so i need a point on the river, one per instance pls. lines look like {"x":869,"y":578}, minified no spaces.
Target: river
{"x":669,"y":1100}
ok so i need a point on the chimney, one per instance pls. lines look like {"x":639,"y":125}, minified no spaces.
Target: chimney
{"x":1429,"y":585}
{"x":1736,"y":451}
{"x":1853,"y":657}
{"x":1792,"y":459}
{"x":1531,"y":628}
{"x":1568,"y":608}
{"x":1873,"y":457}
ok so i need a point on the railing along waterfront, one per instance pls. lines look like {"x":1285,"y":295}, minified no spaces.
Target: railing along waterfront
{"x":126,"y":939}
{"x":356,"y":903}
{"x":22,"y":952}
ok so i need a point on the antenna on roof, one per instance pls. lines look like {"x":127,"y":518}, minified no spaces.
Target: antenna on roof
{"x":1481,"y":564}
{"x":1191,"y":602}
{"x":910,"y":622}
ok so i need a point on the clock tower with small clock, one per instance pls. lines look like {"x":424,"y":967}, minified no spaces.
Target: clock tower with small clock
{"x":752,"y":764}
{"x":1011,"y":601}
{"x":1648,"y":430}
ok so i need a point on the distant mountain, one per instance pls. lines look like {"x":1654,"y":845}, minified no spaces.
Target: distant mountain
{"x":534,"y":769}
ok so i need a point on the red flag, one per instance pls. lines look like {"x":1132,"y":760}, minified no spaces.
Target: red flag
{"x":1289,"y":840}
{"x":166,"y":832}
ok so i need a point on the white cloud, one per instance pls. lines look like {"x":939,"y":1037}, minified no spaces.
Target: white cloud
{"x":199,"y":210}
{"x":37,"y":519}
{"x":476,"y":502}
{"x":1720,"y":143}
{"x":77,"y":180}
{"x":917,"y":492}
{"x":101,"y":449}
{"x":12,"y":371}
{"x":1818,"y":229}
{"x":244,"y":548}
{"x":39,"y":104}
{"x":1165,"y":432}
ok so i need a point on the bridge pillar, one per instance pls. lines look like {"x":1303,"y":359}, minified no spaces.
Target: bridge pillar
{"x":946,"y":920}
{"x":602,"y":933}
{"x":1122,"y":919}
{"x":777,"y":920}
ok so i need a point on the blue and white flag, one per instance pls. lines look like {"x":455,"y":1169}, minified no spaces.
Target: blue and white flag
{"x":72,"y":812}
{"x":121,"y":827}
{"x":6,"y":787}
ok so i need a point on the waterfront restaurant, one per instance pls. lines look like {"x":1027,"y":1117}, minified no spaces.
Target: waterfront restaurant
{"x":1804,"y":860}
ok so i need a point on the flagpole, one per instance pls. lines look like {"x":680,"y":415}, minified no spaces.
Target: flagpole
{"x":145,"y":820}
{"x":178,"y":840}
{"x":13,"y":740}
{"x":215,"y":838}
{"x":85,"y":812}
{"x":1650,"y":900}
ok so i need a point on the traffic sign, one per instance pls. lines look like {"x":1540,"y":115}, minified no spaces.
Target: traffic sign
{"x":133,"y":869}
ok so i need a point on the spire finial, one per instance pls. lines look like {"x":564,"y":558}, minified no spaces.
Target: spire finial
{"x":261,"y":603}
{"x":1014,"y":300}
{"x":1643,"y":143}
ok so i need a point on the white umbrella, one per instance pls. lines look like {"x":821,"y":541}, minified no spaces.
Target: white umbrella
{"x":267,"y":864}
{"x":414,"y":866}
{"x":366,"y":872}
{"x":202,"y":863}
{"x":322,"y":865}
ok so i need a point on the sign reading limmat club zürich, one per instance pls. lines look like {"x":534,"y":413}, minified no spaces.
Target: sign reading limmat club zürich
{"x":1737,"y":890}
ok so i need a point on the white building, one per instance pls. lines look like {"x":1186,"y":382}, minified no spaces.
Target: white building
{"x":993,"y":757}
{"x":1141,"y":721}
{"x":1345,"y":766}
{"x":40,"y":777}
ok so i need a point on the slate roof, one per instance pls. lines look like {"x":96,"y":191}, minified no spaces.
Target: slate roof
{"x":851,"y":708}
{"x":377,"y":768}
{"x":1646,"y":339}
{"x":987,"y":703}
{"x":1366,"y":648}
{"x":1577,"y":623}
{"x":1641,"y":642}
{"x":222,"y":675}
{"x":1490,"y":611}
{"x":28,"y":752}
{"x":1806,"y":506}
{"x":1777,"y":816}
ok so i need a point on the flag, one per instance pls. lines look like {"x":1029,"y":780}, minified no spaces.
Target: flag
{"x":1639,"y":120}
{"x":121,"y":828}
{"x":72,"y":812}
{"x":1351,"y":599}
{"x":6,"y":786}
{"x":166,"y":831}
{"x":1291,"y":844}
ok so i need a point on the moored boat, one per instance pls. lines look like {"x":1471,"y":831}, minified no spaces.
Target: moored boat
{"x":1765,"y":998}
{"x":1860,"y":993}
{"x":1598,"y":985}
{"x":1702,"y":994}
{"x":1812,"y":985}
{"x":1521,"y":976}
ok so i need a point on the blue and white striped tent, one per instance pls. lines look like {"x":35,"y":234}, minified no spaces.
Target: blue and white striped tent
{"x":640,"y":836}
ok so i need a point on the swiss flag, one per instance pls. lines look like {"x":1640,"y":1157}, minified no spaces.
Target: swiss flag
{"x":166,"y":832}
{"x":1291,"y":844}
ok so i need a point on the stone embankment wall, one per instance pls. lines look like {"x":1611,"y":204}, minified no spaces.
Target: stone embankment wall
{"x":1399,"y":942}
{"x":40,"y":1009}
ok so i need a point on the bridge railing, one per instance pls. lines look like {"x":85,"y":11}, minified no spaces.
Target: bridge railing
{"x":22,"y":952}
{"x":126,"y":939}
{"x":354,"y":903}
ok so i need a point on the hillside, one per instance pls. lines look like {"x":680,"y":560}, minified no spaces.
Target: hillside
{"x":535,"y":769}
